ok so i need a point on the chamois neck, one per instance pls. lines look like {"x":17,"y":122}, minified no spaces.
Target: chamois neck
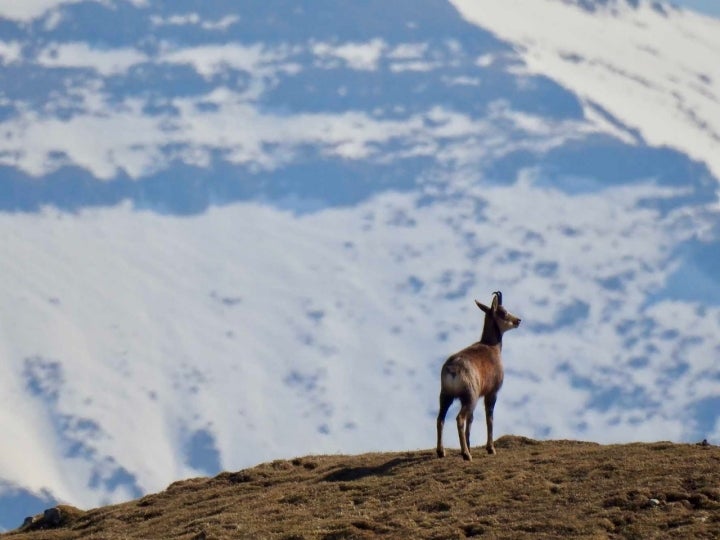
{"x":491,"y":334}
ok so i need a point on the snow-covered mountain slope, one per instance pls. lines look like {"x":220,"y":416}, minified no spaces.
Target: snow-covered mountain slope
{"x":230,"y":235}
{"x":646,"y":66}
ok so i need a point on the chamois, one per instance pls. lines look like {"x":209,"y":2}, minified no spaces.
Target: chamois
{"x":474,"y":372}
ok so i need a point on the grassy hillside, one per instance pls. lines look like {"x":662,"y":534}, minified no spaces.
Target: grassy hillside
{"x":530,"y":489}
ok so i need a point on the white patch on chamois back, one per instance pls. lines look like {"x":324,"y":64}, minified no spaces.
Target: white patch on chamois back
{"x":452,"y":383}
{"x":457,"y":379}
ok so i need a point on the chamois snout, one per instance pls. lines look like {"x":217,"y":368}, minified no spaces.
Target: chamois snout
{"x":505,"y":320}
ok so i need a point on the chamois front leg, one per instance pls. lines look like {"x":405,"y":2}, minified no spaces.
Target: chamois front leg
{"x":445,"y":402}
{"x":489,"y":408}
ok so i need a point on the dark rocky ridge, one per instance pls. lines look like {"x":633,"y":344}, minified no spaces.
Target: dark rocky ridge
{"x":530,"y":489}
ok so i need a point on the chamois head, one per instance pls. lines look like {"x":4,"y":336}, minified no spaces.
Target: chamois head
{"x":498,"y":320}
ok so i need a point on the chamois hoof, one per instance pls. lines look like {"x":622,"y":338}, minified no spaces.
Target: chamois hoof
{"x":490,"y":450}
{"x":467,"y":457}
{"x":441,"y":452}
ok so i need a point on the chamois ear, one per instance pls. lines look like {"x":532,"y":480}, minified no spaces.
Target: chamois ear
{"x":482,"y":306}
{"x":497,"y":300}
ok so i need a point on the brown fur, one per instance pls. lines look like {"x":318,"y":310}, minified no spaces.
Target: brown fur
{"x":475,"y":372}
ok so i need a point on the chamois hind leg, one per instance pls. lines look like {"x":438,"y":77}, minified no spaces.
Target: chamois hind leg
{"x":445,"y":402}
{"x":489,"y":408}
{"x":463,"y":416}
{"x":467,"y":428}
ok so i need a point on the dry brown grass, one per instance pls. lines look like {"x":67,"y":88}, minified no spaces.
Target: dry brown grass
{"x":530,"y":489}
